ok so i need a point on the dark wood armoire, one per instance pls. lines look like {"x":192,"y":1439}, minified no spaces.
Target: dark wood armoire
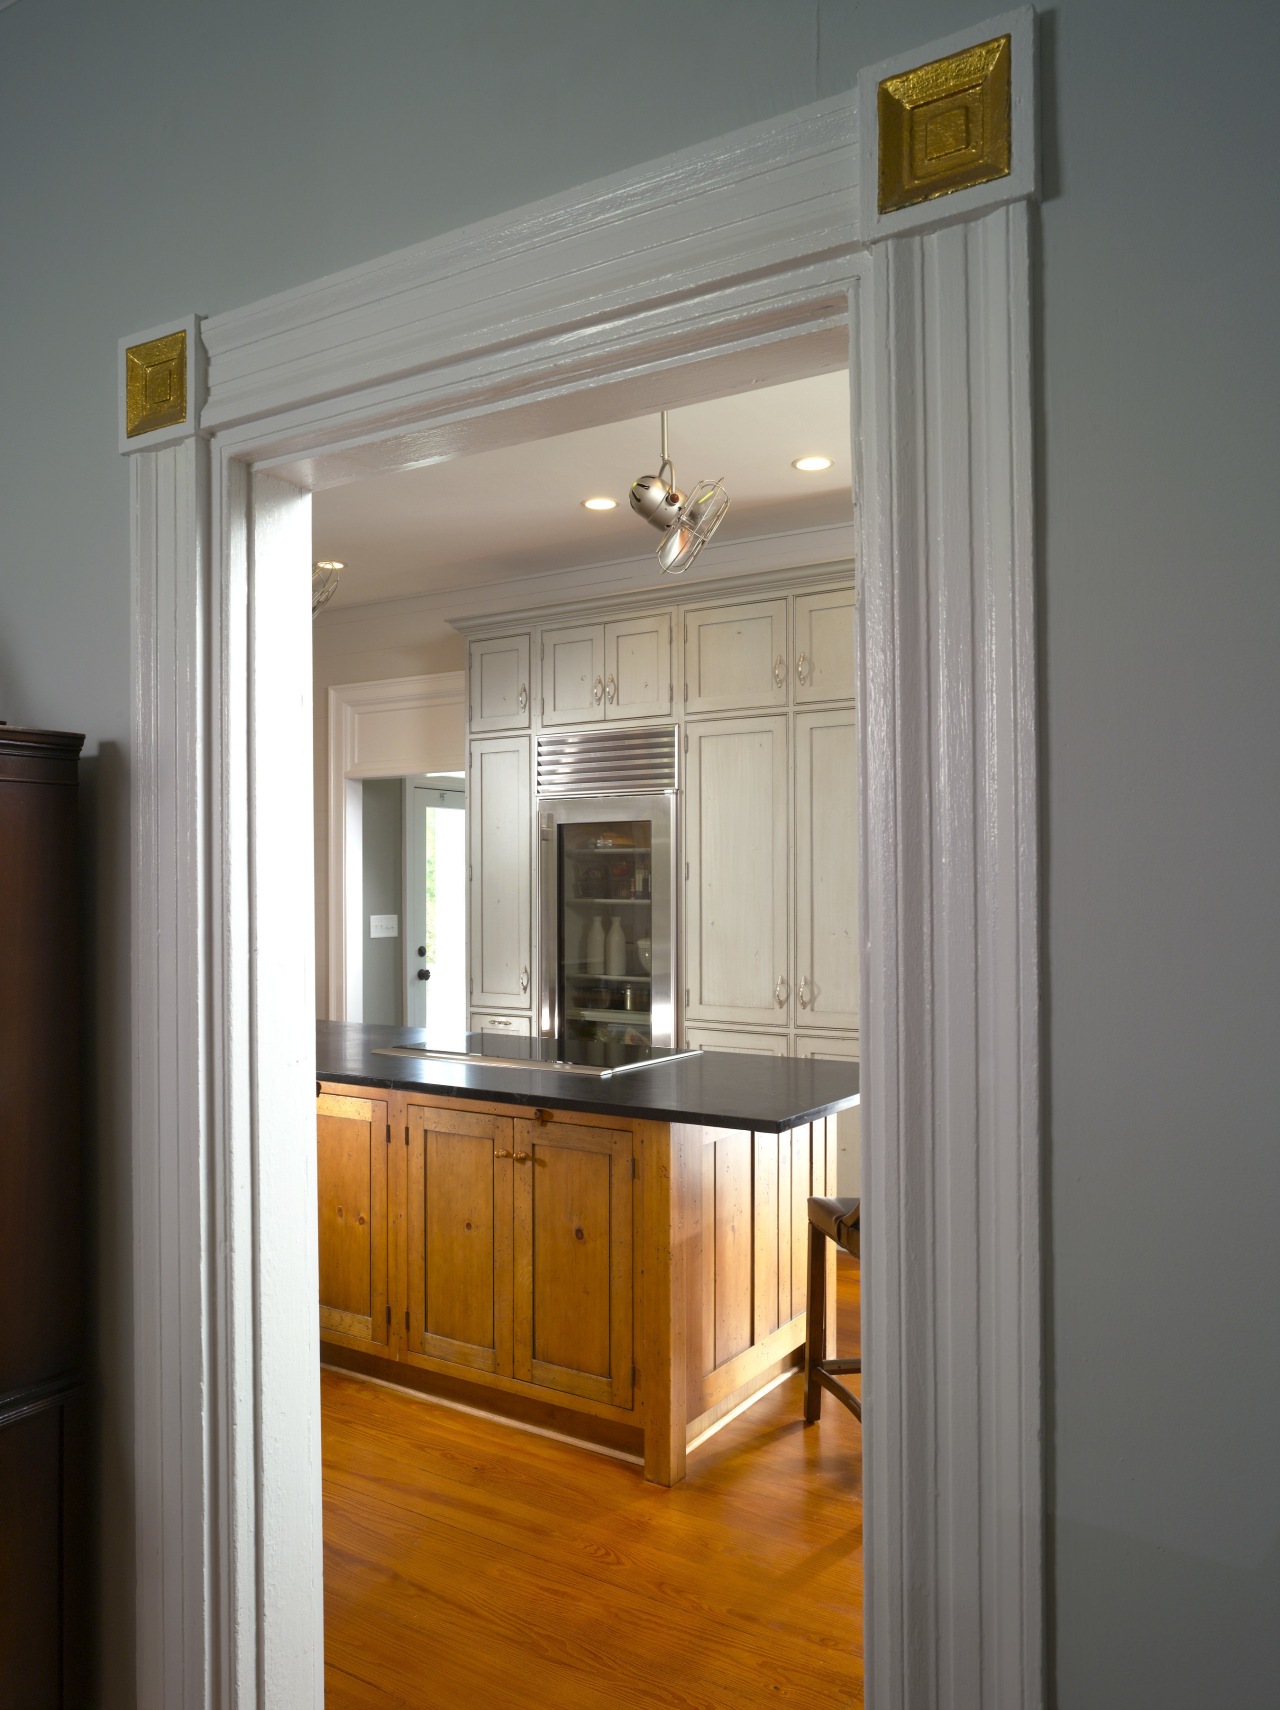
{"x":44,"y":1542}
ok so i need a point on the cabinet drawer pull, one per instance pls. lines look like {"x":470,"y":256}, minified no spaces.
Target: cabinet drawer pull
{"x":780,"y":991}
{"x":597,"y":691}
{"x":611,"y":690}
{"x":524,"y":979}
{"x":802,"y":669}
{"x":804,"y":981}
{"x":524,"y":697}
{"x":779,"y":670}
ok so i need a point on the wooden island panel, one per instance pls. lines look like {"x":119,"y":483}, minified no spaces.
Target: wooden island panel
{"x":639,"y":1277}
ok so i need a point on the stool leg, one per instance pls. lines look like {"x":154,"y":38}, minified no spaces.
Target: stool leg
{"x":815,"y":1345}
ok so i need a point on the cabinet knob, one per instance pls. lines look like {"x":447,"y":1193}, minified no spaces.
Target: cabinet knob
{"x":611,"y":690}
{"x":780,"y":991}
{"x":802,"y":668}
{"x":424,"y":973}
{"x":524,"y":697}
{"x":597,"y":691}
{"x":779,"y":670}
{"x":502,"y":1154}
{"x":522,"y":1157}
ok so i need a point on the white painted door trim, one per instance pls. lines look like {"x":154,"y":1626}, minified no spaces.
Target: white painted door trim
{"x":404,"y":746}
{"x":638,"y":286}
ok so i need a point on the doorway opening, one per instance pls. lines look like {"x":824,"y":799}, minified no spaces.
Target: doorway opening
{"x":496,"y":559}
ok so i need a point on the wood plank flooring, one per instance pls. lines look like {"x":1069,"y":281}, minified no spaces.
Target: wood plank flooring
{"x":469,"y":1565}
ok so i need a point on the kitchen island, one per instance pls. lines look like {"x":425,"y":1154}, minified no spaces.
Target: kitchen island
{"x":613,"y":1250}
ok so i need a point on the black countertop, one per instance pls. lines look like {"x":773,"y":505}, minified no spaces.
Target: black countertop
{"x":719,"y":1089}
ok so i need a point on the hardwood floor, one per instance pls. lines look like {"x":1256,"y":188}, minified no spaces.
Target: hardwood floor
{"x":469,"y":1565}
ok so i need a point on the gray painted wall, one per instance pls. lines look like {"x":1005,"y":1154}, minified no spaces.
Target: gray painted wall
{"x":382,"y":876}
{"x":161,"y":158}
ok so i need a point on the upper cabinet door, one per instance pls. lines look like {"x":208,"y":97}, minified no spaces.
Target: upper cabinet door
{"x":737,"y":834}
{"x":499,"y":684}
{"x":500,"y":873}
{"x":824,"y":658}
{"x":573,"y":674}
{"x":826,"y":891}
{"x":735,"y":657}
{"x":637,"y":667}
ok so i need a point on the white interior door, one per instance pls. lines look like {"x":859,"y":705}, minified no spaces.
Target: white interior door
{"x":435,"y":908}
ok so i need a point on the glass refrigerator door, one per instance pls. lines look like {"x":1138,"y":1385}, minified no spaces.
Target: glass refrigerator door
{"x":605,"y":932}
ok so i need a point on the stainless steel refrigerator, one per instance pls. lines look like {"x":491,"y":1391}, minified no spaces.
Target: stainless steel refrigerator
{"x":607,"y":851}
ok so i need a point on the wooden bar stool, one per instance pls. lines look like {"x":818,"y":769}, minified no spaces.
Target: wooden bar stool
{"x":838,"y":1220}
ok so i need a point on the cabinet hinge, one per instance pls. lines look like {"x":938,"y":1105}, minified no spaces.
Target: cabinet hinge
{"x":406,"y":1133}
{"x":686,"y":734}
{"x":686,"y":869}
{"x":470,"y":715}
{"x":470,"y":873}
{"x":388,"y":1134}
{"x":633,"y":1166}
{"x":388,"y":1312}
{"x":406,"y":1320}
{"x":635,"y":1374}
{"x":686,"y":997}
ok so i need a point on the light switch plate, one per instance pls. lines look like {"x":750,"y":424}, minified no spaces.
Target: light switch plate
{"x":384,"y":926}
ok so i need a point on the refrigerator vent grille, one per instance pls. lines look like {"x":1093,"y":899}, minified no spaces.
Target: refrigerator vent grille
{"x":607,"y":762}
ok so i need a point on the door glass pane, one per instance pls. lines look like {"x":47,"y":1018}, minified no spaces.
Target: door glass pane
{"x":444,"y":916}
{"x":606,"y":934}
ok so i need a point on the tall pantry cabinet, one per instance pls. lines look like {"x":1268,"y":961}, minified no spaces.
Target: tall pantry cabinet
{"x":43,"y":1523}
{"x":762,"y":683}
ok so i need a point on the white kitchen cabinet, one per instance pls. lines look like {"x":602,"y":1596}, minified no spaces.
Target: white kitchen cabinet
{"x":735,"y":657}
{"x":726,"y":1039}
{"x":619,"y":670}
{"x":500,"y":873}
{"x":823,"y":667}
{"x":519,"y":1026}
{"x":498,"y":685}
{"x":637,"y":666}
{"x":737,"y":835}
{"x":573,"y":674}
{"x":826,"y":971}
{"x":845,"y":1048}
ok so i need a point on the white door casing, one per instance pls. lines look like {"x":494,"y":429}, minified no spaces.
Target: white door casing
{"x":767,"y":242}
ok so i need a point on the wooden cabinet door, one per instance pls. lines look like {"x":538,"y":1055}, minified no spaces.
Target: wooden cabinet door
{"x":737,"y":835}
{"x":458,"y":1237}
{"x":500,"y":873}
{"x":498,"y":693}
{"x":573,"y":1293}
{"x":352,"y":1146}
{"x":735,"y":657}
{"x":573,"y":675}
{"x":637,"y":667}
{"x":826,"y":890}
{"x":824,"y":656}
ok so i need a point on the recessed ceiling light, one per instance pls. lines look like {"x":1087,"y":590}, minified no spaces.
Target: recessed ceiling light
{"x":599,"y":504}
{"x":811,"y":465}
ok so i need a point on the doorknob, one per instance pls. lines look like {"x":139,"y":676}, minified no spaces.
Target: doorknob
{"x":424,"y":973}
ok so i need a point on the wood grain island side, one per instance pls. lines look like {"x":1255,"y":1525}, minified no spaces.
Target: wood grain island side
{"x":624,"y":1280}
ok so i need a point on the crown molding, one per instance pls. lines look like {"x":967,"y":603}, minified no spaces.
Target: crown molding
{"x":831,"y":546}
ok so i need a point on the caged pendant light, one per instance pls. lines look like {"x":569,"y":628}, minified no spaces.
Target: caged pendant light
{"x":687,"y":522}
{"x":324,"y":582}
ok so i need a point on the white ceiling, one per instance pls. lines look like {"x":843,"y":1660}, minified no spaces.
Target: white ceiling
{"x":500,"y":515}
